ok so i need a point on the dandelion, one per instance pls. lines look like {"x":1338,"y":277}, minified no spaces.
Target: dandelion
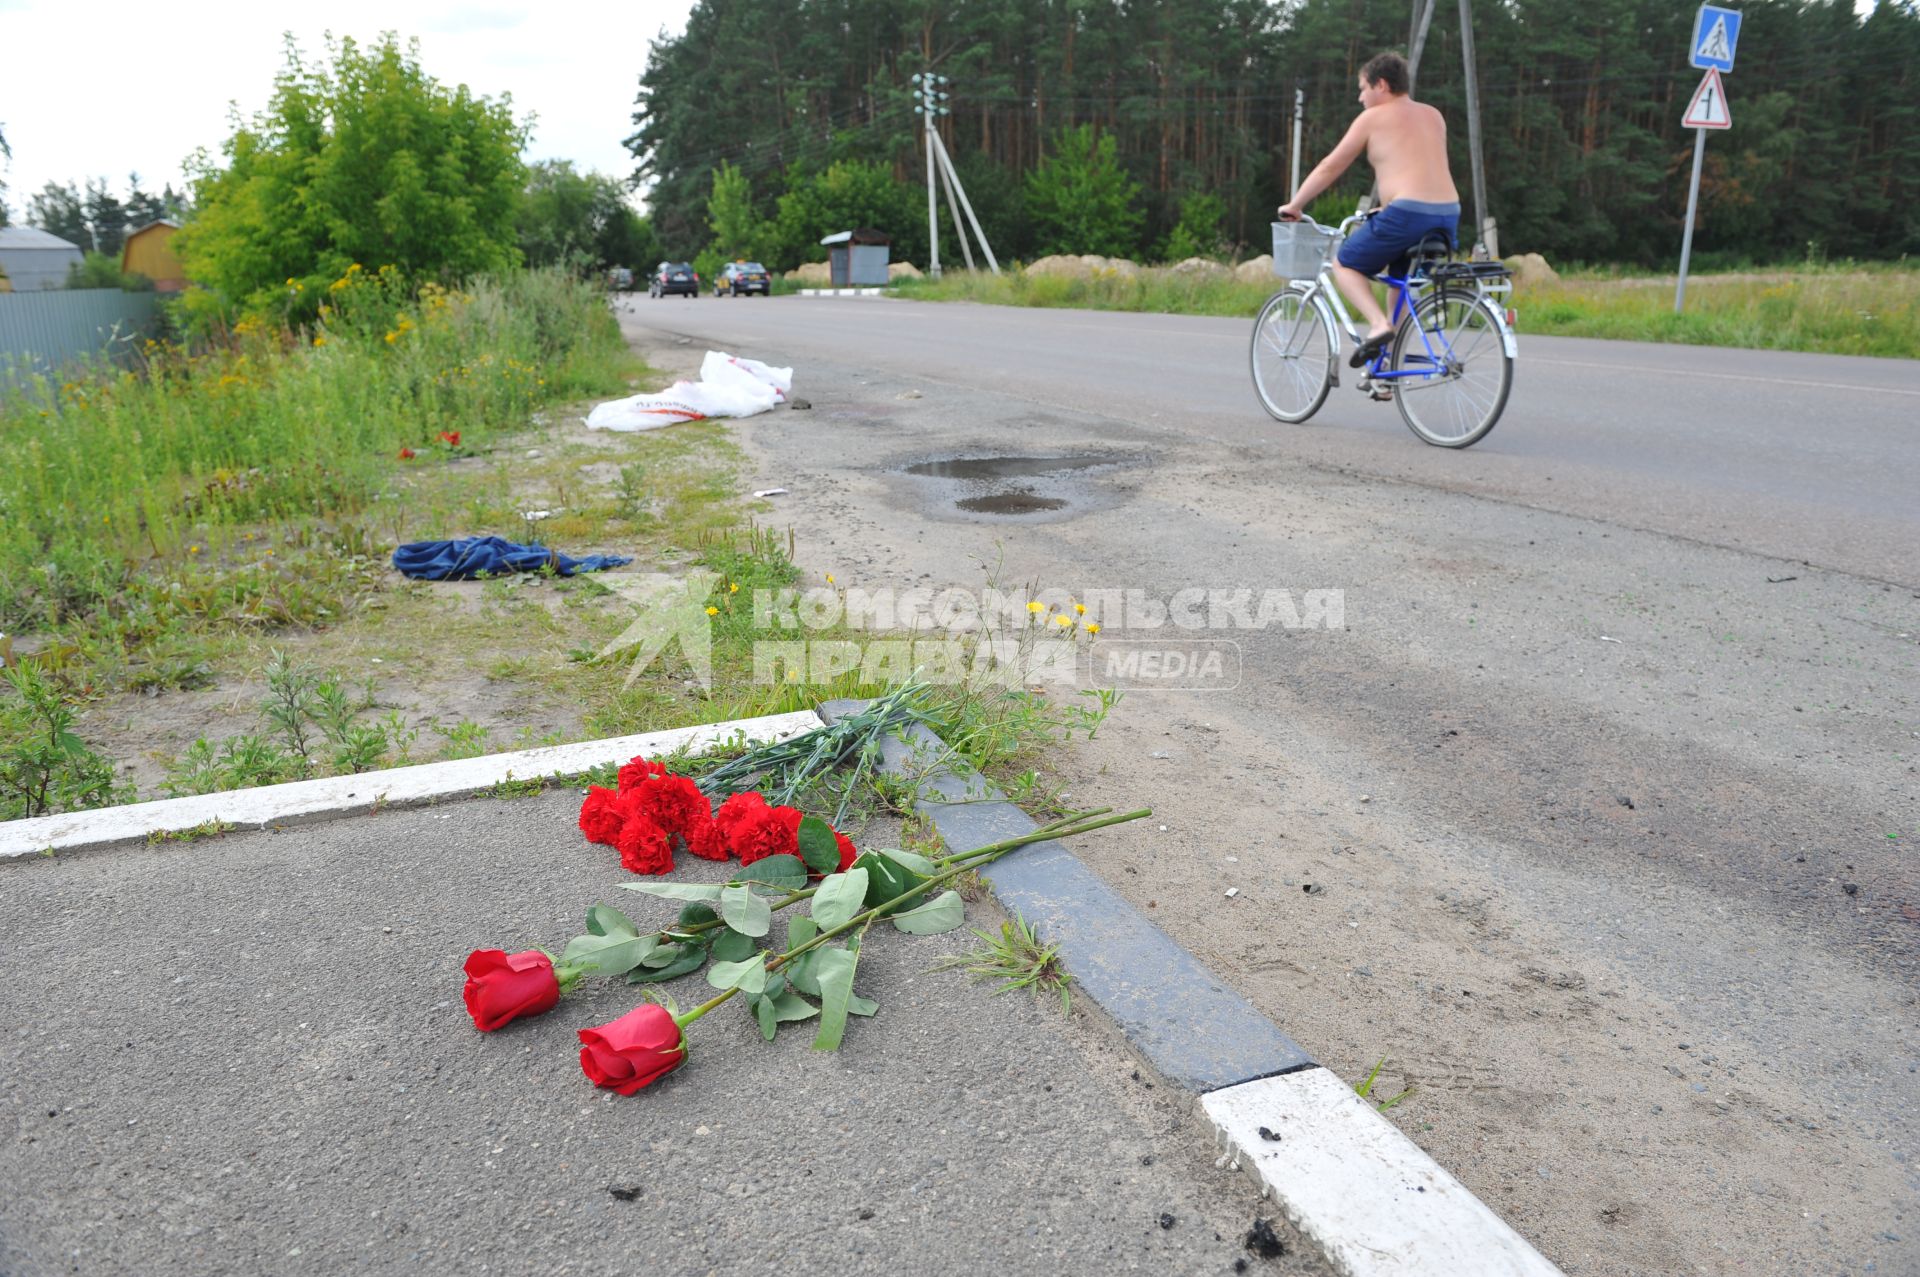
{"x":1080,"y":609}
{"x":1093,"y":627}
{"x":1036,"y":607}
{"x":392,"y":337}
{"x":713,"y":611}
{"x":1065,"y":622}
{"x":193,"y":549}
{"x":733,"y":587}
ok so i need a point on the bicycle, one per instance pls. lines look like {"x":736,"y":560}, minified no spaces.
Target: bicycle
{"x":1448,"y":368}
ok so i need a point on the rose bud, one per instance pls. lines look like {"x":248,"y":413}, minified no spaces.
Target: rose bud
{"x":639,"y":1048}
{"x":502,"y":987}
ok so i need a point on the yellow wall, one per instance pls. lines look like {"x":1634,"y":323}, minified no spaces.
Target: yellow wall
{"x":148,"y":252}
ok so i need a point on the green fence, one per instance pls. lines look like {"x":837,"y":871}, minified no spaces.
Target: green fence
{"x":42,"y":331}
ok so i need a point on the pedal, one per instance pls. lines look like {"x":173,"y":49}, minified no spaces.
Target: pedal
{"x":1380,"y":394}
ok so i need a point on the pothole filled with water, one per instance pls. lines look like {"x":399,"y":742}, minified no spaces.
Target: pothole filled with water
{"x":1011,"y":503}
{"x":1052,"y":485}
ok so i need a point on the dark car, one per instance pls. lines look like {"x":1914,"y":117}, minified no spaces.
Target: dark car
{"x":674,"y":277}
{"x":743,"y":277}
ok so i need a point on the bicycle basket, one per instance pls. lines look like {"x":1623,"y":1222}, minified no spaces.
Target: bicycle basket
{"x":1300,"y":249}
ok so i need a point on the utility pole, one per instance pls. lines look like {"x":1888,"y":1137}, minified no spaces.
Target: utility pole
{"x":927,"y":85}
{"x":953,"y":188}
{"x":1489,"y":236}
{"x":1299,"y":108}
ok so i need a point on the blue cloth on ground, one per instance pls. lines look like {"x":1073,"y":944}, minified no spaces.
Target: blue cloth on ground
{"x":470,"y":556}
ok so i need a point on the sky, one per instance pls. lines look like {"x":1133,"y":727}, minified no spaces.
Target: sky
{"x":112,"y":87}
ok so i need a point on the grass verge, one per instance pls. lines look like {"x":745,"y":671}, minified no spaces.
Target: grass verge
{"x":1843,"y":310}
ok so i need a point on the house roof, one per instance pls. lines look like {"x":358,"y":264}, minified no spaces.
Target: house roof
{"x":32,"y":237}
{"x":859,"y":235}
{"x":164,"y":221}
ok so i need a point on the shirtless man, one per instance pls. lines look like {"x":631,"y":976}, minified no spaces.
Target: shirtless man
{"x":1406,"y":143}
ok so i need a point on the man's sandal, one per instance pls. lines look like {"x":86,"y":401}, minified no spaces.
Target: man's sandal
{"x":1366,"y":350}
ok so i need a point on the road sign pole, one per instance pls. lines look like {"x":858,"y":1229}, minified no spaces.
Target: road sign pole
{"x":1693,"y":203}
{"x":1299,"y":108}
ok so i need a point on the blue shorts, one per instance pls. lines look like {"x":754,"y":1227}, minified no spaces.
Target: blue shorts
{"x":1386,"y":236}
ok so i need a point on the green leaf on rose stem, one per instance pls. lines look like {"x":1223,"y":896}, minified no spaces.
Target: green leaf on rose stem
{"x":763,"y":1011}
{"x":887,"y":881}
{"x":835,"y":971}
{"x":689,"y":958}
{"x":605,"y":920}
{"x":695,"y":914}
{"x":733,"y":946}
{"x":610,"y":955}
{"x":776,"y":984}
{"x":818,"y":846}
{"x":779,"y":873}
{"x":800,"y":929}
{"x":839,"y":897}
{"x":790,"y":1006}
{"x":750,"y":977}
{"x":943,"y":913}
{"x":911,"y":861}
{"x":857,"y":1005}
{"x":745,"y":912}
{"x":704,"y":892}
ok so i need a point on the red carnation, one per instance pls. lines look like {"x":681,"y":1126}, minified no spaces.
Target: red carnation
{"x":772,"y":832}
{"x":638,"y":770}
{"x":738,"y":812}
{"x":644,"y":847}
{"x":501,"y":987}
{"x":638,"y":1049}
{"x":602,"y":815}
{"x":707,"y":842}
{"x":672,"y":802}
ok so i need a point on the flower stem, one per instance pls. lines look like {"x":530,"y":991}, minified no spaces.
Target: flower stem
{"x":1065,"y":828}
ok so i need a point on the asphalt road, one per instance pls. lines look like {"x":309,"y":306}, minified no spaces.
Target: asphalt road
{"x":249,"y":1055}
{"x":1803,"y":457}
{"x":1606,"y":792}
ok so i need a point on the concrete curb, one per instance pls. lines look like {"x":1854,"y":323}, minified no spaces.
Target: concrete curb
{"x":349,"y":795}
{"x":1375,"y":1203}
{"x":843,"y":292}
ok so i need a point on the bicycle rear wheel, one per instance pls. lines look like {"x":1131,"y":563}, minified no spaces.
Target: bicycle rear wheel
{"x":1459,"y":345}
{"x":1291,"y":354}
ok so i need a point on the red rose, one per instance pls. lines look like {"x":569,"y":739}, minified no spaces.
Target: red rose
{"x":638,"y":1049}
{"x":602,"y":816}
{"x":644,"y":847}
{"x":503,"y":987}
{"x":847,"y":852}
{"x":450,"y":437}
{"x":638,"y":770}
{"x":707,"y":842}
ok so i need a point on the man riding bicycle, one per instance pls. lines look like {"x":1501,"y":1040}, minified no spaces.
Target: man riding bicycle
{"x":1406,"y":144}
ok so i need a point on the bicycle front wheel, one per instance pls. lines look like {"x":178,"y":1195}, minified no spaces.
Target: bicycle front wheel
{"x":1292,"y":355}
{"x":1460,"y":353}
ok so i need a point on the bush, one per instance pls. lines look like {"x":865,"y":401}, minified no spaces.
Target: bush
{"x":44,"y":767}
{"x":367,"y":160}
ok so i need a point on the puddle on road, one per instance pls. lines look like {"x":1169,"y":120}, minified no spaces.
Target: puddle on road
{"x":1011,"y":503}
{"x":984,"y":485}
{"x":1009,"y":467}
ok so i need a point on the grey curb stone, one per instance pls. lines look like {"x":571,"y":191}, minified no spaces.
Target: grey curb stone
{"x":1196,"y":1032}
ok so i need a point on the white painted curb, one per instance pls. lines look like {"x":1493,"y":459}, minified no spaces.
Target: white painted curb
{"x":368,"y":791}
{"x":843,"y":292}
{"x":1346,"y":1177}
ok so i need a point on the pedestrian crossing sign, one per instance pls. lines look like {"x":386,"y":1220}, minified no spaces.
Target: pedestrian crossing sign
{"x":1708,"y":110}
{"x":1715,"y":33}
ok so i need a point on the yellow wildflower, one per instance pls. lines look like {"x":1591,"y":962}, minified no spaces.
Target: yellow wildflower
{"x":1063,"y":621}
{"x":1036,"y":606}
{"x":733,"y":587}
{"x":1093,"y":627}
{"x":713,"y":611}
{"x":1080,"y":609}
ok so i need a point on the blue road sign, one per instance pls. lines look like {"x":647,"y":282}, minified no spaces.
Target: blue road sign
{"x":1715,"y":34}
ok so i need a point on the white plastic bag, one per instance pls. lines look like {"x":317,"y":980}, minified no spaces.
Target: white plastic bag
{"x":728,"y":387}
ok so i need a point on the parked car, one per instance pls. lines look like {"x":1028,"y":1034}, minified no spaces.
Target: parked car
{"x":743,"y":277}
{"x":620,"y":280}
{"x":674,"y":277}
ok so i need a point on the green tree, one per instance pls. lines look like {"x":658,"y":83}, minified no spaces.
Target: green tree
{"x":1198,"y":232}
{"x":366,"y":159}
{"x":580,"y":220}
{"x":97,"y":270}
{"x":1082,"y":200}
{"x":736,"y":231}
{"x":58,"y":210}
{"x":844,"y":196}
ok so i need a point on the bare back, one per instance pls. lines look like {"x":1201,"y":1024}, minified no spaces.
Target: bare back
{"x":1407,"y":147}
